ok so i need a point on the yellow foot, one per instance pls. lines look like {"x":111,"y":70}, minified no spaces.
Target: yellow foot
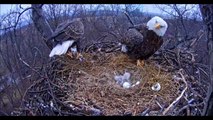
{"x":79,"y":56}
{"x":140,"y":63}
{"x":70,"y":54}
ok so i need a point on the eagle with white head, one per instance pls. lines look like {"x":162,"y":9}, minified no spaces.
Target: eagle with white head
{"x":143,"y":40}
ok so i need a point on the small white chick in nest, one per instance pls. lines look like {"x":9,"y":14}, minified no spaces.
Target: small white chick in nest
{"x":156,"y":87}
{"x":119,"y":79}
{"x":123,"y":80}
{"x":126,"y":76}
{"x":126,"y":85}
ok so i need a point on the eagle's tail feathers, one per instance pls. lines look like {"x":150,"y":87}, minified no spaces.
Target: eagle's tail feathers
{"x":61,"y":49}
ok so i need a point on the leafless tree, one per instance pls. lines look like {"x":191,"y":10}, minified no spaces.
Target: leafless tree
{"x":41,"y":24}
{"x":17,"y":37}
{"x":181,"y":13}
{"x":57,"y":13}
{"x":130,"y":7}
{"x":103,"y":23}
{"x":207,"y":14}
{"x":10,"y":52}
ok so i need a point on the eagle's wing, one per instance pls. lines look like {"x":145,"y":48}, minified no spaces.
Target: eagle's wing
{"x":67,"y":33}
{"x":71,"y":29}
{"x":142,"y":28}
{"x":141,"y":43}
{"x":75,"y":29}
{"x":134,"y":36}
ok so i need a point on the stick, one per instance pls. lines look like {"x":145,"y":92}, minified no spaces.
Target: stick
{"x":179,"y":97}
{"x":130,"y":20}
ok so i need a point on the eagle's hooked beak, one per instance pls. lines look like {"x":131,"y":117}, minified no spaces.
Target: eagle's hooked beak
{"x":157,"y":26}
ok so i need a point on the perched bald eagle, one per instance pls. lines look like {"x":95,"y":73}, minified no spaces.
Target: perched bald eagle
{"x":143,"y":40}
{"x":67,"y":35}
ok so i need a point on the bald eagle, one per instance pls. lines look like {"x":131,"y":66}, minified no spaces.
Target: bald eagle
{"x":143,"y":40}
{"x":67,"y":35}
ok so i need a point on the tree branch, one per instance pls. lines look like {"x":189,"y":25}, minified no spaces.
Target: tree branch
{"x":42,"y":25}
{"x":207,"y":14}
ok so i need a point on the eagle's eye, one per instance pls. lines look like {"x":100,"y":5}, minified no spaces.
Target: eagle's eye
{"x":162,"y":26}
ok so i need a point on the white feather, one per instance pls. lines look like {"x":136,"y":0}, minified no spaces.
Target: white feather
{"x":56,"y":50}
{"x":61,"y":49}
{"x":123,"y":48}
{"x":152,"y":22}
{"x":137,"y":83}
{"x":74,"y":50}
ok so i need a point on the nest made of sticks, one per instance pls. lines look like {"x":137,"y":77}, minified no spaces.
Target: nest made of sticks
{"x":94,"y":86}
{"x":74,"y":87}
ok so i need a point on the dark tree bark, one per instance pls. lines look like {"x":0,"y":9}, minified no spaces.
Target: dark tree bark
{"x":42,"y":25}
{"x":207,"y":14}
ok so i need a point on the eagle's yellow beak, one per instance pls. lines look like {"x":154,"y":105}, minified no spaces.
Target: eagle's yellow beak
{"x":157,"y":26}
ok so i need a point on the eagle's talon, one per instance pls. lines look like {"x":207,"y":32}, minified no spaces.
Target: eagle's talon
{"x":70,"y":54}
{"x":79,"y":56}
{"x":140,"y":63}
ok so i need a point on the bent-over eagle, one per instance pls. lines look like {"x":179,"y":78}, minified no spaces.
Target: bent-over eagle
{"x":143,"y":40}
{"x":67,"y":35}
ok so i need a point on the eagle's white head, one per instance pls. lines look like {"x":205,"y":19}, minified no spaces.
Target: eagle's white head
{"x":158,"y":25}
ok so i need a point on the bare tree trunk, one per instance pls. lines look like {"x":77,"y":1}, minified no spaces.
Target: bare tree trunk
{"x":42,"y":25}
{"x":207,"y":14}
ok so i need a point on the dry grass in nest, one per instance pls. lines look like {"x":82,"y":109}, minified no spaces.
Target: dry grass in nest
{"x":92,"y":84}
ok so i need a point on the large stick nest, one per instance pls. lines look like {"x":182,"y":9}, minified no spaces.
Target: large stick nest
{"x":73,"y":87}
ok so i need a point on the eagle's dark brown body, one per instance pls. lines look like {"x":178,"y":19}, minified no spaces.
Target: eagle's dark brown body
{"x":69,"y":30}
{"x":142,"y":43}
{"x":67,"y":35}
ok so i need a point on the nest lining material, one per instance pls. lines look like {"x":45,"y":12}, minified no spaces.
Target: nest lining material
{"x":92,"y":85}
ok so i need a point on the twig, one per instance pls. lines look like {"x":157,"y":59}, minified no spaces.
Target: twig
{"x":51,"y":92}
{"x":145,"y":112}
{"x":2,"y":112}
{"x":130,"y":20}
{"x":183,"y":108}
{"x":16,"y":22}
{"x":29,"y":66}
{"x":159,"y":104}
{"x":179,"y":97}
